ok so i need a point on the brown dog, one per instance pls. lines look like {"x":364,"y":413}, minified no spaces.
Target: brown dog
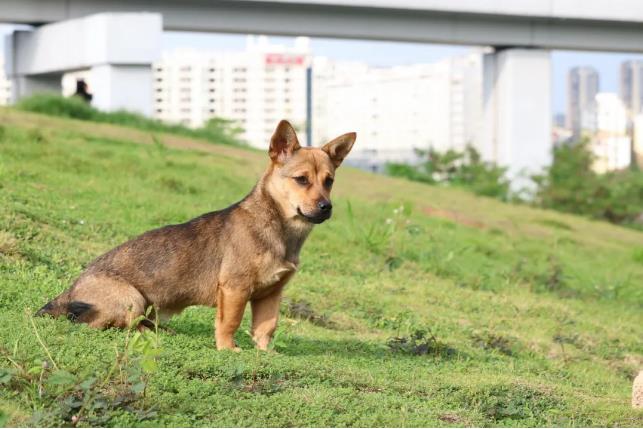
{"x":246,"y":252}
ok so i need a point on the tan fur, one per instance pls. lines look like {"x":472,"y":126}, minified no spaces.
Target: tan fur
{"x":225,"y":259}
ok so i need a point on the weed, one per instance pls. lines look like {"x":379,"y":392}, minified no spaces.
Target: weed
{"x":493,"y":341}
{"x":420,"y":342}
{"x":74,"y":399}
{"x":302,"y":309}
{"x":256,"y":382}
{"x":514,"y":402}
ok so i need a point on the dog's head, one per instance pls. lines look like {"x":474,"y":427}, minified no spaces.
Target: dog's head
{"x":301,"y":179}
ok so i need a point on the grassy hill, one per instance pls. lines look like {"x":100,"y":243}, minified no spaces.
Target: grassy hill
{"x":414,"y":306}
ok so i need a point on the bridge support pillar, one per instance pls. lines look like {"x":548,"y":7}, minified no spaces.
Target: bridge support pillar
{"x":517,"y":111}
{"x":116,"y":49}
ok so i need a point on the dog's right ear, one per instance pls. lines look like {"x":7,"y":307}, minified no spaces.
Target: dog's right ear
{"x":283,"y":143}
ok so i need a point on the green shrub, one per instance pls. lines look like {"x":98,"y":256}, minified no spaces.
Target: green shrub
{"x":570,"y":185}
{"x":464,"y":169}
{"x":216,"y":130}
{"x":55,"y":105}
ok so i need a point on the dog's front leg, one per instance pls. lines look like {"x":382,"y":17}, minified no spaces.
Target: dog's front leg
{"x":231,"y":303}
{"x":265,"y":313}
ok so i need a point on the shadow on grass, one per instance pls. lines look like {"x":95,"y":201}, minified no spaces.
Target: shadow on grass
{"x":305,"y":346}
{"x":297,"y":345}
{"x":352,"y":348}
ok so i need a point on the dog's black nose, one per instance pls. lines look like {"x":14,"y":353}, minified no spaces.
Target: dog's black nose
{"x":324,"y":205}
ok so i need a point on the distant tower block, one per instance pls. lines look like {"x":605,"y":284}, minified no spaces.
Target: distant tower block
{"x":118,"y":49}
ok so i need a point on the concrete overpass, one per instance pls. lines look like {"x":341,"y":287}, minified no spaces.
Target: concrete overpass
{"x":516,"y":72}
{"x":599,"y":25}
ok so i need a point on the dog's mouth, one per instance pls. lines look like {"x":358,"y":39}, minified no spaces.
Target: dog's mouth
{"x":314,"y":219}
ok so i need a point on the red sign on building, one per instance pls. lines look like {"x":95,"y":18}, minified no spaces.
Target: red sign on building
{"x":284,"y":59}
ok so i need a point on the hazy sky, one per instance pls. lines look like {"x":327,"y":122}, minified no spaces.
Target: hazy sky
{"x":393,"y":53}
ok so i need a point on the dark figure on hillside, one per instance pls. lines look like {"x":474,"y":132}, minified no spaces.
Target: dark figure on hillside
{"x":81,"y":91}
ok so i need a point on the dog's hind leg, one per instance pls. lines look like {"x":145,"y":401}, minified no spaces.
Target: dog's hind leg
{"x":103,"y":302}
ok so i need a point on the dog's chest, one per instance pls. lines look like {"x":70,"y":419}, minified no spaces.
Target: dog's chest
{"x":274,"y":274}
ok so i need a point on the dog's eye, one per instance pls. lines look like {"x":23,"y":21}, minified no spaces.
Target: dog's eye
{"x":302,"y":180}
{"x":328,"y":182}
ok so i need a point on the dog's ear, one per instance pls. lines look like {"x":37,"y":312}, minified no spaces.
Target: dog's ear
{"x":338,"y":148}
{"x":283,"y":142}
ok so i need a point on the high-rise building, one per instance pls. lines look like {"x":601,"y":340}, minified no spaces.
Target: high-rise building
{"x":399,"y":109}
{"x":631,"y":86}
{"x":611,"y":144}
{"x":5,"y":86}
{"x":255,"y":88}
{"x":582,"y":87}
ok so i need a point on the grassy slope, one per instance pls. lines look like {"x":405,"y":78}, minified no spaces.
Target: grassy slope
{"x":542,"y":310}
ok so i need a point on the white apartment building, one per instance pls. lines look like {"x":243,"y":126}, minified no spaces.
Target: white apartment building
{"x":397,"y":110}
{"x":611,"y":144}
{"x":5,"y":86}
{"x":256,"y":88}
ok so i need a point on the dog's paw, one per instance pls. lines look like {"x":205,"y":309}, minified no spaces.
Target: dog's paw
{"x":230,"y":348}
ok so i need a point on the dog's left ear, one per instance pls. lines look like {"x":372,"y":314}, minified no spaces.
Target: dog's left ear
{"x":338,"y":148}
{"x":283,"y":142}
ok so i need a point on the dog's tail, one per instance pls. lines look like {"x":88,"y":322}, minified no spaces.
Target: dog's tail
{"x":63,"y":306}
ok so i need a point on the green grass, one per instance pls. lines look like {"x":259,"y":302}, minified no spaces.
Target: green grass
{"x":414,"y":306}
{"x":217,"y":130}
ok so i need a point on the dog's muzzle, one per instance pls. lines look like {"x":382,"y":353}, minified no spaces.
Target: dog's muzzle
{"x":318,"y":217}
